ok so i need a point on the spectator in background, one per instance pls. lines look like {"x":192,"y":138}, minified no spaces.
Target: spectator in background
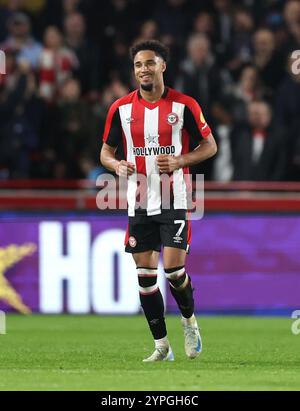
{"x":12,"y":91}
{"x":111,"y":93}
{"x":118,"y":89}
{"x":56,"y":11}
{"x":295,"y":33}
{"x":89,"y":70}
{"x":276,"y":24}
{"x":204,"y":24}
{"x":73,"y":130}
{"x":268,"y":60}
{"x":22,"y":115}
{"x":172,"y":18}
{"x":249,"y":87}
{"x":199,"y":77}
{"x":237,"y":96}
{"x":70,"y":6}
{"x":148,"y":31}
{"x":121,"y":63}
{"x":114,"y":18}
{"x":262,"y":11}
{"x":6,"y":12}
{"x":33,"y":8}
{"x":288,"y":96}
{"x":240,"y":45}
{"x":258,"y":147}
{"x":114,"y":90}
{"x":231,"y":110}
{"x":177,"y":55}
{"x":288,"y":116}
{"x":291,"y":13}
{"x":21,"y":40}
{"x":56,"y":64}
{"x":223,"y":29}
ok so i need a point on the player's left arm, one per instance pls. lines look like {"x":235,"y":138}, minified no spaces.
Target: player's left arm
{"x":198,"y":129}
{"x":205,"y":150}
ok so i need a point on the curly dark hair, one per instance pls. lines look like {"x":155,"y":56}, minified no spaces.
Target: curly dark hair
{"x":154,"y":45}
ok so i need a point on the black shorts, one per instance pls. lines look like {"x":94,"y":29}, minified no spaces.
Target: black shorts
{"x":170,"y":229}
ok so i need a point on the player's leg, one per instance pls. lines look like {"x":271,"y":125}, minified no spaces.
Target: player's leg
{"x":143,"y":242}
{"x":152,"y":303}
{"x":175,"y":237}
{"x":174,"y":231}
{"x":179,"y":281}
{"x":182,"y":291}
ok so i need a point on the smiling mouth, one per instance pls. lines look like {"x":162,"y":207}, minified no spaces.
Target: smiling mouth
{"x":146,"y":77}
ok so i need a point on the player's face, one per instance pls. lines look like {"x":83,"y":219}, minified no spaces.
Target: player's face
{"x":148,"y":69}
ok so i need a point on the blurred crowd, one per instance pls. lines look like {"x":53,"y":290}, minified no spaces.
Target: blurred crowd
{"x":68,"y":60}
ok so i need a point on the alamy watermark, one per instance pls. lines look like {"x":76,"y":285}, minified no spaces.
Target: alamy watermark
{"x":295,"y":56}
{"x":156,"y":191}
{"x":296,"y":324}
{"x":2,"y":323}
{"x":2,"y":62}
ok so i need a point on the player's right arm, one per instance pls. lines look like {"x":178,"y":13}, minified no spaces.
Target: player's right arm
{"x":121,"y":168}
{"x":112,"y":137}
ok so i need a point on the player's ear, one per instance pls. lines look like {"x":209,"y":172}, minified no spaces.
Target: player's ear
{"x":164,"y":66}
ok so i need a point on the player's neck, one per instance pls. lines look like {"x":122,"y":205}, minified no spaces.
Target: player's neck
{"x":154,"y":95}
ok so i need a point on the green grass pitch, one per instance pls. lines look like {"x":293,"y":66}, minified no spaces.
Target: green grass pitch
{"x":104,"y":353}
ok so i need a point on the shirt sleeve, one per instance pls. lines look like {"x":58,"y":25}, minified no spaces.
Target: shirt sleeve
{"x":113,"y":130}
{"x":194,"y":121}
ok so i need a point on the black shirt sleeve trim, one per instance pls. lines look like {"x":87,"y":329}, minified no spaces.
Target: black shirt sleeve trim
{"x":189,"y":123}
{"x":114,"y":137}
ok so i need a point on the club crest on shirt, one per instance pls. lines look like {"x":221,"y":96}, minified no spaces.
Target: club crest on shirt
{"x":129,"y":120}
{"x":172,"y":119}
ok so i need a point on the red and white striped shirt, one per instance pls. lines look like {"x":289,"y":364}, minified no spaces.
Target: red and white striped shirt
{"x":148,"y":130}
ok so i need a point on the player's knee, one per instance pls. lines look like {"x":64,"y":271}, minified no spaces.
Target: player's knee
{"x":177,"y":277}
{"x":147,"y":278}
{"x":175,"y":273}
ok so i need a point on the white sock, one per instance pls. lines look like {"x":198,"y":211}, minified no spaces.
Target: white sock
{"x":162,"y":343}
{"x":189,"y":321}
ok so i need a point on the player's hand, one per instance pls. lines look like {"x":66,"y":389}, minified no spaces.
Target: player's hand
{"x":167,"y":164}
{"x":125,"y":169}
